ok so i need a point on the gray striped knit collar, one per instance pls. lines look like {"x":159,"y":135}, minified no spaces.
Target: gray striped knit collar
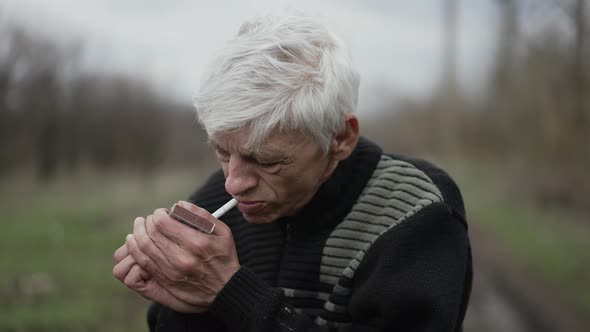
{"x":338,"y":194}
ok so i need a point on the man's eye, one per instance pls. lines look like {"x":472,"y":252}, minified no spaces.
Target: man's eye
{"x":267,"y":165}
{"x":221,"y":154}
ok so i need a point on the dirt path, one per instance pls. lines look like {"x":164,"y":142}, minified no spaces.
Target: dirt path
{"x":508,"y":297}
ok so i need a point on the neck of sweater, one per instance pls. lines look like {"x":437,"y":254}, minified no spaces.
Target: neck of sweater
{"x":338,"y":193}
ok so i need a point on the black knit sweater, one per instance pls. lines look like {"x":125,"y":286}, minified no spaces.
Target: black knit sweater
{"x":382,"y":246}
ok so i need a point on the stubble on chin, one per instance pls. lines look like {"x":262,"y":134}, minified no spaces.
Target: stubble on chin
{"x":258,"y":219}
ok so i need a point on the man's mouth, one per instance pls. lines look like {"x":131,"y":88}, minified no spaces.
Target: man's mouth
{"x":250,"y":207}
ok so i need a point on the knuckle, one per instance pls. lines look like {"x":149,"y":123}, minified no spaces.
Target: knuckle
{"x":222,"y":227}
{"x":185,"y":267}
{"x":147,"y":266}
{"x":205,"y":246}
{"x":196,"y":246}
{"x":185,"y":264}
{"x":136,"y":269}
{"x":158,"y":222}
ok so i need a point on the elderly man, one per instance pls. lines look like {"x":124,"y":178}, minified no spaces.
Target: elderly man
{"x":329,"y":233}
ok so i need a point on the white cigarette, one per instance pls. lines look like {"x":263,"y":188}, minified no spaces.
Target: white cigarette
{"x":226,"y":207}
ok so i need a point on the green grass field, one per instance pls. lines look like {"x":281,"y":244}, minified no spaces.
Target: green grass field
{"x":57,"y":244}
{"x":554,"y":243}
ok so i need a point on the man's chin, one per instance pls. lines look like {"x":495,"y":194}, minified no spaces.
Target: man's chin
{"x":257,"y":219}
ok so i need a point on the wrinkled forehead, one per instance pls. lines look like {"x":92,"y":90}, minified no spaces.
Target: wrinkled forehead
{"x":276,"y":142}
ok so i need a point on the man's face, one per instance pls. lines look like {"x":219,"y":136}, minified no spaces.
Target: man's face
{"x":275,"y":181}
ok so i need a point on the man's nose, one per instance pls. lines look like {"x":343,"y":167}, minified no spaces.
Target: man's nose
{"x":240,"y":177}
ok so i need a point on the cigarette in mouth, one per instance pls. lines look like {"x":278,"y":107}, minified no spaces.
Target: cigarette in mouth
{"x":190,"y":219}
{"x":226,"y":207}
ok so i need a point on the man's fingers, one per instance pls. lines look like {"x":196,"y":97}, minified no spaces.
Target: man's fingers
{"x":122,"y":268}
{"x":121,"y":253}
{"x":143,"y":273}
{"x":152,"y":290}
{"x":166,"y":245}
{"x":173,"y":229}
{"x":170,"y":266}
{"x":140,"y":258}
{"x":147,"y":246}
{"x":136,"y":278}
{"x":139,"y":280}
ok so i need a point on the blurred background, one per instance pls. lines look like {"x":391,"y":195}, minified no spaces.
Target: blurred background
{"x":97,"y":127}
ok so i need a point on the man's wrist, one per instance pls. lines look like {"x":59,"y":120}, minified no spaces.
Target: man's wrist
{"x":240,"y":298}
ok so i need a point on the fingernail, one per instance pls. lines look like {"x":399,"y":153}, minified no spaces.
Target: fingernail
{"x":128,"y":237}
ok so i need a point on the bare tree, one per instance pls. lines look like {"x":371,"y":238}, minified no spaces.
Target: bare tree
{"x":449,"y":71}
{"x":582,"y":113}
{"x":55,"y":114}
{"x":507,"y":49}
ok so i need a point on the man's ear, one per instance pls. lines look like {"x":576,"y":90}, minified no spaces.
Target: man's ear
{"x":344,"y":143}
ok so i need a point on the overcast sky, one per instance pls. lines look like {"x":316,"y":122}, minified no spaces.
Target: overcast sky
{"x":393,"y":43}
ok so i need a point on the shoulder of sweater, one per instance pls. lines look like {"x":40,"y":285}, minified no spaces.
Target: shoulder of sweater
{"x":433,"y":228}
{"x":443,"y":181}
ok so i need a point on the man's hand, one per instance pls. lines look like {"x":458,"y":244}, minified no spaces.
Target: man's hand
{"x":191,"y":266}
{"x":137,"y":279}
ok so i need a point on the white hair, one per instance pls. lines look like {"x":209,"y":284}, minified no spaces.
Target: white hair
{"x":289,"y":73}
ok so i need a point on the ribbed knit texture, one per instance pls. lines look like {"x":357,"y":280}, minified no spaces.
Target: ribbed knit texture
{"x":243,"y":297}
{"x":378,"y":247}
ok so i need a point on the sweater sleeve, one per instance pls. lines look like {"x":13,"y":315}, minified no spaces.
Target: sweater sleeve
{"x":413,"y":278}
